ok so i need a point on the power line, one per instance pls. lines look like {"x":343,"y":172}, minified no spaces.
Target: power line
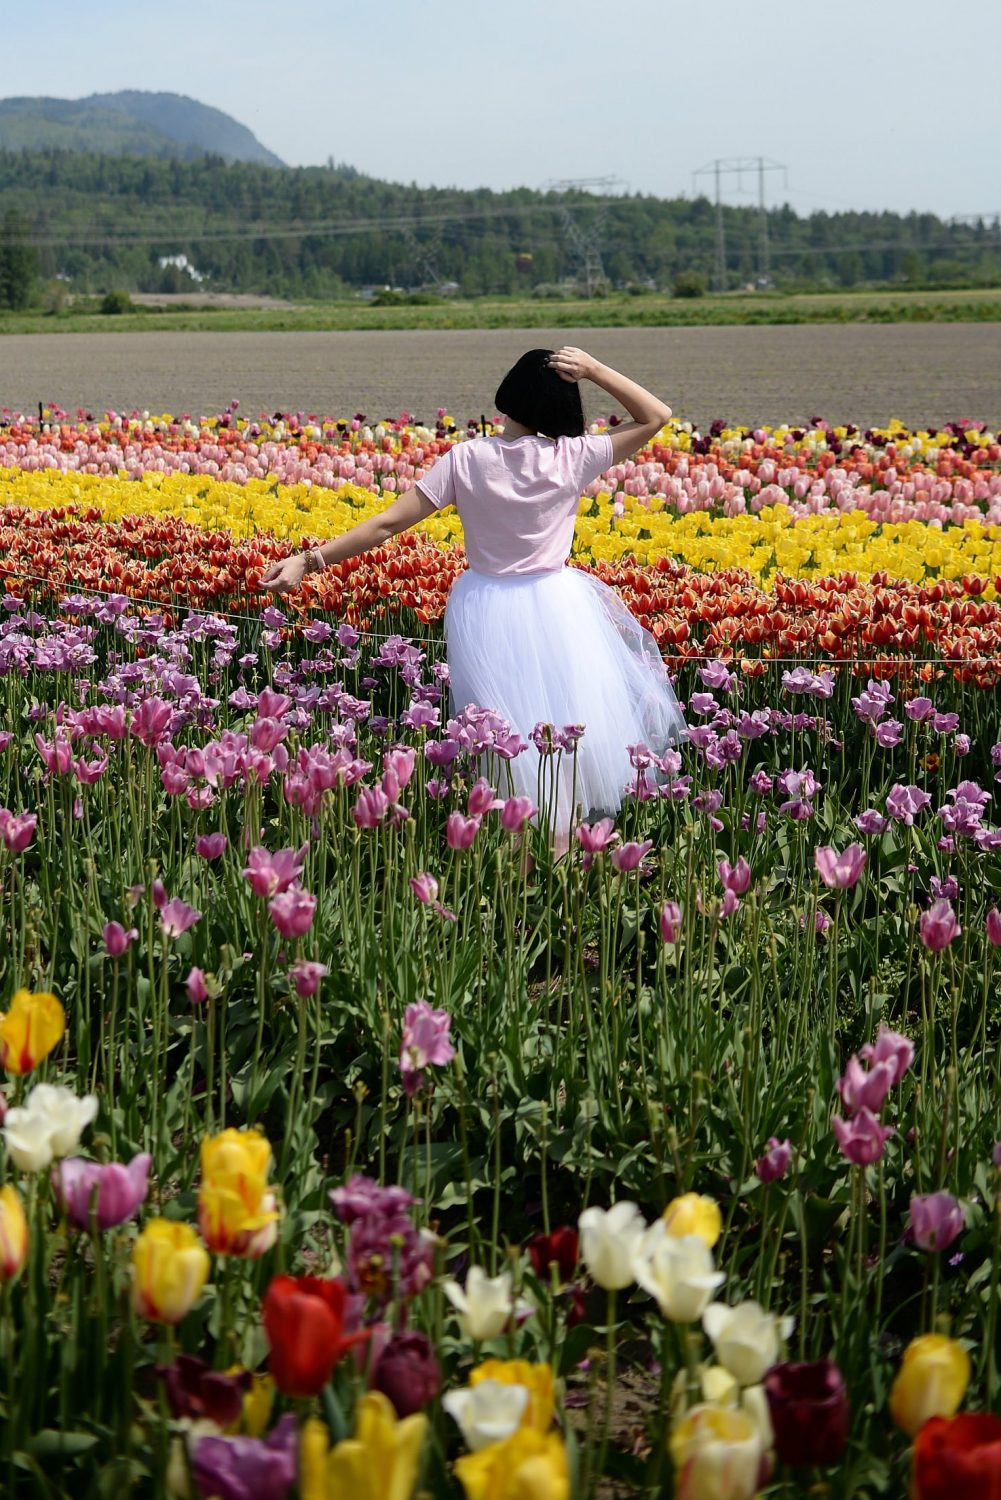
{"x":727,"y":166}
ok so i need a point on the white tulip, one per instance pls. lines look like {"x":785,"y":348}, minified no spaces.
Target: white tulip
{"x":488,"y":1412}
{"x":716,"y":1452}
{"x":66,"y":1115}
{"x":28,"y":1142}
{"x":486,"y":1305}
{"x":608,"y":1242}
{"x":746,"y":1338}
{"x":677,"y":1271}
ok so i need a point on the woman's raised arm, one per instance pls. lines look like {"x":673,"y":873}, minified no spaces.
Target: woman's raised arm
{"x":409,"y":510}
{"x":648,"y":412}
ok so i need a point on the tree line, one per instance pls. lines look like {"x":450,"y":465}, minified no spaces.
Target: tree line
{"x":95,"y":222}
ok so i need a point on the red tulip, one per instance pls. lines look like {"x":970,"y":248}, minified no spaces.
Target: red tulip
{"x":559,"y":1248}
{"x":958,"y":1458}
{"x":304,"y":1321}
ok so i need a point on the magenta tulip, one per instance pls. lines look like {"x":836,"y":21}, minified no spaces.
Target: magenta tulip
{"x":630,"y":856}
{"x":862,"y":1089}
{"x":735,"y":878}
{"x":670,"y":921}
{"x":773,"y":1163}
{"x":862,"y":1140}
{"x":306,"y":974}
{"x":16,"y":830}
{"x":994,"y":927}
{"x":198,"y":991}
{"x":936,"y":1220}
{"x":119,"y":1189}
{"x":594,"y":838}
{"x":270,"y":874}
{"x":426,"y":1043}
{"x":371,"y":807}
{"x":516,"y":812}
{"x":424,"y":887}
{"x":938,"y":925}
{"x":481,"y":798}
{"x":116,"y":939}
{"x":176,"y":917}
{"x":459,"y":831}
{"x":839,"y":871}
{"x":210,"y":845}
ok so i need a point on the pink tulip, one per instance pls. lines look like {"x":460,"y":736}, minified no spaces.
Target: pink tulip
{"x":424,"y":887}
{"x":459,"y":831}
{"x":516,"y":812}
{"x":292,"y":911}
{"x":306,"y":974}
{"x":774,"y":1161}
{"x":177,"y":916}
{"x":426,"y":1043}
{"x":159,"y":893}
{"x":116,"y":939}
{"x":594,"y":838}
{"x":892,"y":1047}
{"x":630,"y":856}
{"x":17,"y":830}
{"x":735,"y":878}
{"x":729,"y":904}
{"x":397,"y":769}
{"x":839,"y":871}
{"x":481,"y":798}
{"x":670,"y":921}
{"x":198,"y":990}
{"x":371,"y":807}
{"x":863,"y":1139}
{"x":210,"y":845}
{"x":270,"y":874}
{"x":938,"y":925}
{"x":994,"y":927}
{"x":119,"y":1189}
{"x":936,"y":1220}
{"x":266,"y":734}
{"x":860,"y":1089}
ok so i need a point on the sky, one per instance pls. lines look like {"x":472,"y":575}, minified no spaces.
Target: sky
{"x":867,"y":104}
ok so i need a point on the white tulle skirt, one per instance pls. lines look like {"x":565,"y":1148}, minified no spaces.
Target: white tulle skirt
{"x":561,"y":648}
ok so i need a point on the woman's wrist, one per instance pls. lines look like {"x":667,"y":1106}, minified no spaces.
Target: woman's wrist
{"x":315,"y":561}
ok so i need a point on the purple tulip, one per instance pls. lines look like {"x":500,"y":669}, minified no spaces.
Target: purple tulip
{"x":459,"y":831}
{"x":630,"y":856}
{"x":195,"y":1391}
{"x":936,"y":1220}
{"x":119,"y":1189}
{"x":996,"y":1154}
{"x":670,"y":921}
{"x":735,"y":878}
{"x":292,"y":911}
{"x":176,"y":917}
{"x":903,"y":803}
{"x":773,"y":1163}
{"x":938,"y":926}
{"x":808,"y":1406}
{"x":994,"y":927}
{"x":371,"y":807}
{"x":116,"y":939}
{"x":839,"y":871}
{"x":210,"y":845}
{"x":871,"y":822}
{"x":862,"y":1140}
{"x":407,"y":1373}
{"x":243,"y":1468}
{"x":16,"y":830}
{"x":919,"y":709}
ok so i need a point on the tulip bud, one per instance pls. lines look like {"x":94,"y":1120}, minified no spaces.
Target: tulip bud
{"x":607,"y":1242}
{"x":407,"y":1372}
{"x":694,"y":1214}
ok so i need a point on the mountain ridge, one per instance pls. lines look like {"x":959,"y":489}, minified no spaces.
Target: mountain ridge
{"x":129,"y":122}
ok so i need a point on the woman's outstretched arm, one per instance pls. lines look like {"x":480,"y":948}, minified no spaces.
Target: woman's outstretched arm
{"x":411,"y":508}
{"x":648,"y":412}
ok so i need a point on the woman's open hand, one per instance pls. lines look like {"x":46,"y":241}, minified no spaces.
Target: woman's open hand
{"x":572,"y":364}
{"x":283,"y":577}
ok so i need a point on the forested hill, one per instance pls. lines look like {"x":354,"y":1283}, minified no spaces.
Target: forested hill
{"x":104,"y":221}
{"x":131,"y":122}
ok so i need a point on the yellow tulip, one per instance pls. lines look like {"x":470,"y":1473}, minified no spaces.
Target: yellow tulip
{"x":170,"y":1268}
{"x":13,"y":1233}
{"x":257,"y":1404}
{"x":526,"y":1466}
{"x":237,"y":1212}
{"x":537,"y":1380}
{"x":379,"y":1463}
{"x":29,"y":1030}
{"x":694,"y":1214}
{"x":716,"y":1451}
{"x":931,"y":1381}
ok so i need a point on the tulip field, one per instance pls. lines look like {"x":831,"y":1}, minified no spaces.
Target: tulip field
{"x":354,"y":1144}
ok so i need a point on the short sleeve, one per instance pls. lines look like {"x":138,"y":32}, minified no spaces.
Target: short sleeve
{"x":438,"y":484}
{"x":594,"y":456}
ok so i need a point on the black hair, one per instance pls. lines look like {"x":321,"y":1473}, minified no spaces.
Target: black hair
{"x":536,"y":396}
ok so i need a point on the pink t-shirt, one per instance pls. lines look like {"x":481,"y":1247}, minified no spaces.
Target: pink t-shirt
{"x":517,"y":498}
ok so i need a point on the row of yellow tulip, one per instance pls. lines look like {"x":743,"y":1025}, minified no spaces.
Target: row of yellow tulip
{"x":772,"y":541}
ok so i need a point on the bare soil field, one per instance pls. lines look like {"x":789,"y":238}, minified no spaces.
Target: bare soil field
{"x":923,"y":373}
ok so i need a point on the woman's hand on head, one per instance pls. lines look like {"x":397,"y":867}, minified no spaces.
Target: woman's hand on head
{"x":283,"y":577}
{"x":572,"y":364}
